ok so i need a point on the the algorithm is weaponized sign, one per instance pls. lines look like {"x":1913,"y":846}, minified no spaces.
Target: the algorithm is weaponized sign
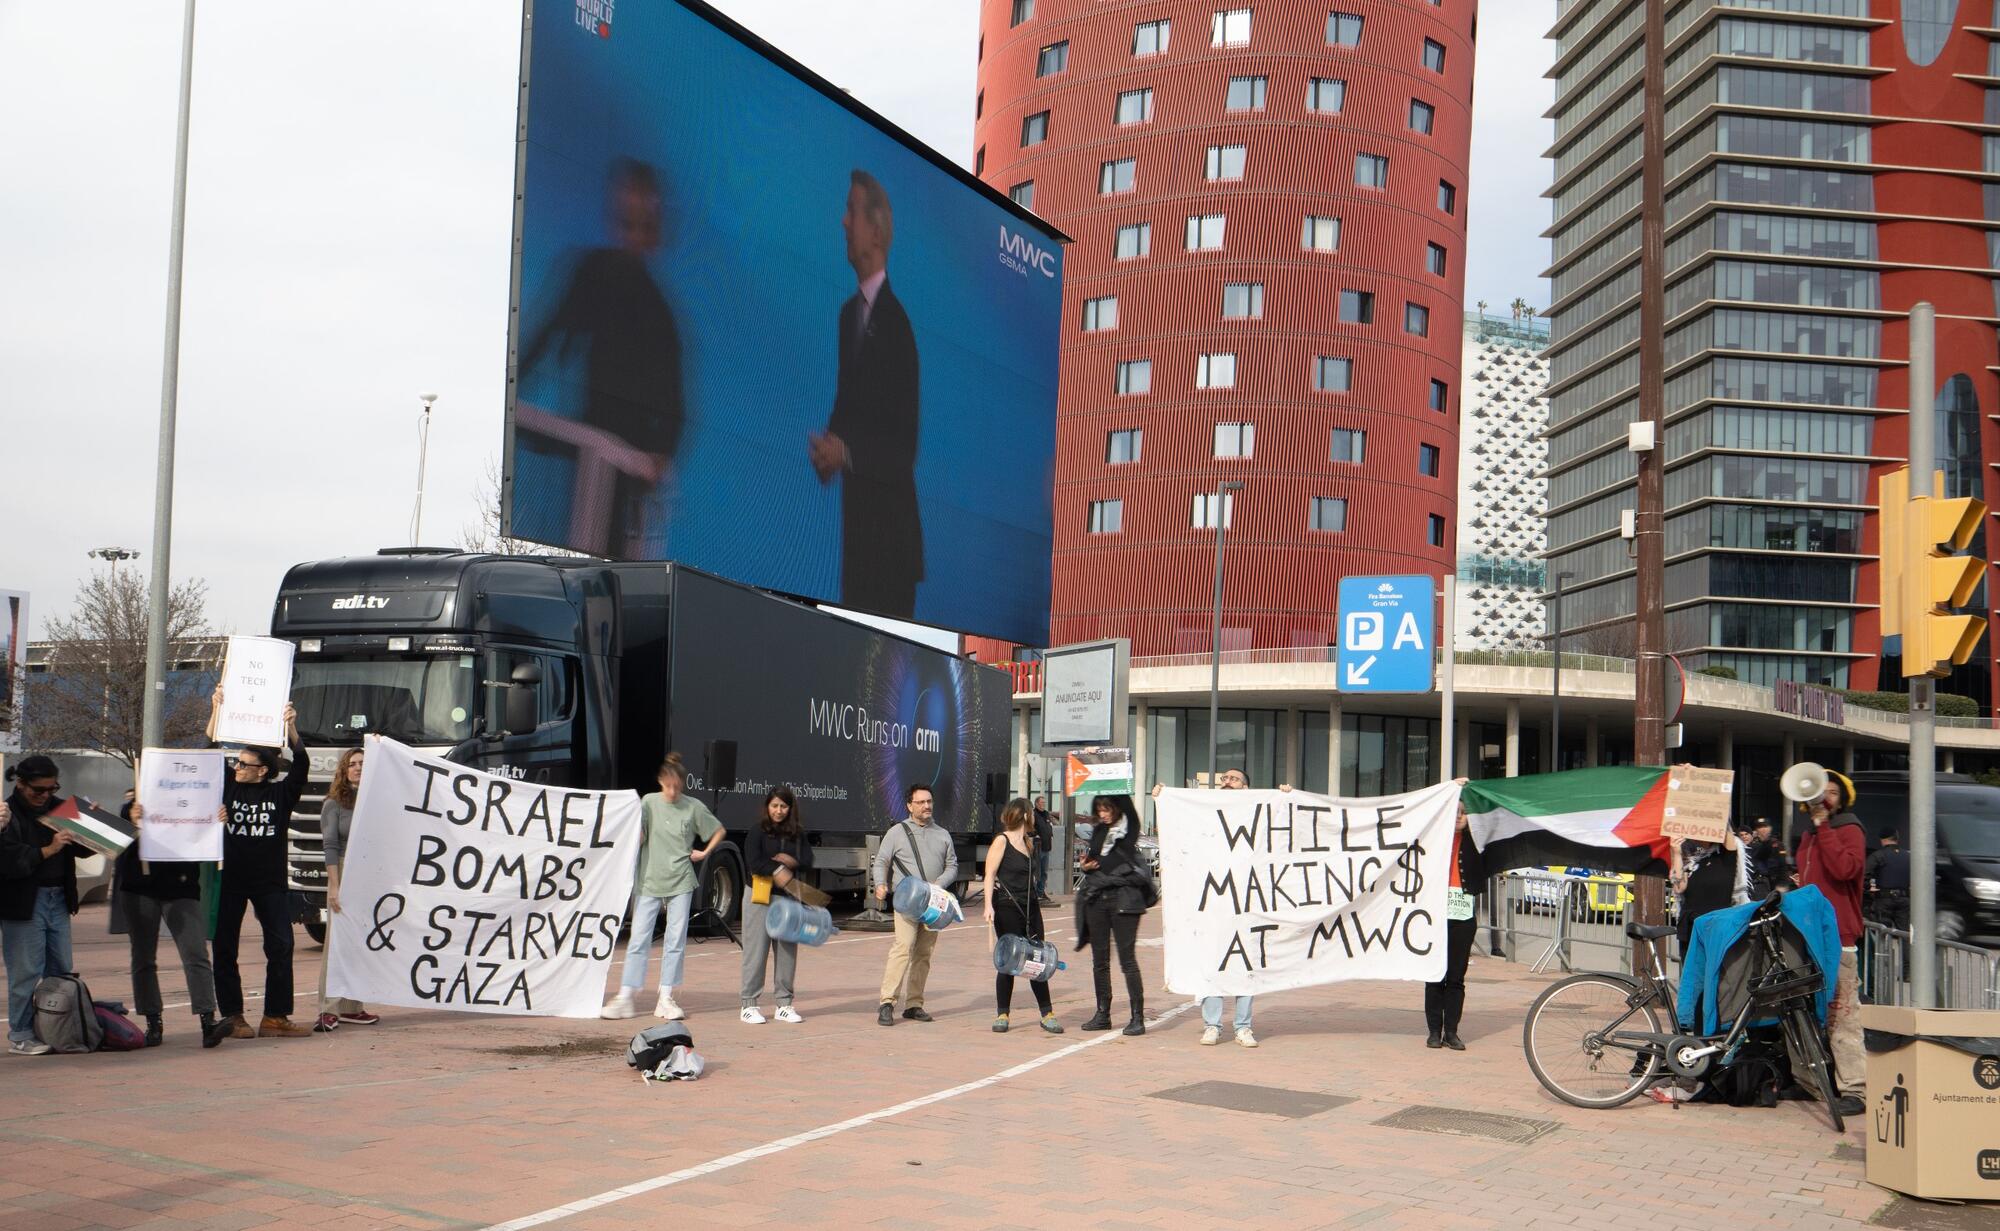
{"x":469,"y":891}
{"x":1268,"y":890}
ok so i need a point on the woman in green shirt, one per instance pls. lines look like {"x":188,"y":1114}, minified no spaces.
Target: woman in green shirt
{"x":666,"y":880}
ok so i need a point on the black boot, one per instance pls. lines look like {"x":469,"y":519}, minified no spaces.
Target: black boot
{"x":1436,"y":1039}
{"x":212,"y":1033}
{"x":1137,"y":1025}
{"x":1101,"y":1020}
{"x":156,"y":1031}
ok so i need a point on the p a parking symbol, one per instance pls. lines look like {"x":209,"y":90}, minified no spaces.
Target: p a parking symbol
{"x":1364,"y":631}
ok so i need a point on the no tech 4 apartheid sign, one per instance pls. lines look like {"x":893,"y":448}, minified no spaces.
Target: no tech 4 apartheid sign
{"x":1268,"y":890}
{"x":469,"y":891}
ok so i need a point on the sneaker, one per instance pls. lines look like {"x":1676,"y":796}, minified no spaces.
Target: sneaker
{"x":619,"y":1006}
{"x":327,"y":1023}
{"x":751,"y":1016}
{"x":27,"y":1047}
{"x":281,"y":1028}
{"x":1244,"y":1038}
{"x":1211,"y":1035}
{"x":789,"y":1015}
{"x":916,"y":1013}
{"x":668,"y":1009}
{"x":363,"y":1018}
{"x":1000,"y":1024}
{"x":1051,"y":1025}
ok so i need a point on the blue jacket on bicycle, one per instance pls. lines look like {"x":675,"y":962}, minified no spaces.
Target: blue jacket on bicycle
{"x":1717,"y":933}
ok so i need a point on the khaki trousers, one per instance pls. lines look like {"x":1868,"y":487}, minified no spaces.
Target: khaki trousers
{"x":909,"y":963}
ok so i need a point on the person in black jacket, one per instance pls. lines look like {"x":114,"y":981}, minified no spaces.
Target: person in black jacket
{"x":1444,"y":1001}
{"x":1117,"y":889}
{"x":613,"y":312}
{"x":37,"y":896}
{"x":871,"y":435}
{"x":254,"y":874}
{"x":147,"y":893}
{"x":775,"y":847}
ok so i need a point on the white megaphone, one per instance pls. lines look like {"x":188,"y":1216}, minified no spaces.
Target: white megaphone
{"x":1803,"y":783}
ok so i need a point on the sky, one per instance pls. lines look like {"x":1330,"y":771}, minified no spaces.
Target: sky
{"x":348,"y":224}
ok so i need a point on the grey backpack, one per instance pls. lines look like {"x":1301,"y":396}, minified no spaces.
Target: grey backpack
{"x":65,"y":1017}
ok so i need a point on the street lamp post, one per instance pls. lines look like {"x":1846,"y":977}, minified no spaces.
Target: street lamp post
{"x":1556,"y":736}
{"x":1223,"y":499}
{"x":114,"y":555}
{"x":423,"y":455}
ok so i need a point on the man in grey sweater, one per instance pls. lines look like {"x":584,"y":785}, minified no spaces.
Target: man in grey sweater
{"x":914,"y":847}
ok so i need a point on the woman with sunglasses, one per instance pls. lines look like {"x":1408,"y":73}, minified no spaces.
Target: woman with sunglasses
{"x":37,"y":896}
{"x":336,"y":817}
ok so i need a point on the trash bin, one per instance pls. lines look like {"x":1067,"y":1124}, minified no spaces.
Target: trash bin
{"x":1933,"y":1117}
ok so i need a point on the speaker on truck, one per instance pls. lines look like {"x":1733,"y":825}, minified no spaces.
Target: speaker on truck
{"x":996,"y":788}
{"x":720,"y":755}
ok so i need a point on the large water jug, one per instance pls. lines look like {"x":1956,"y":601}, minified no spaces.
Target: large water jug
{"x":925,"y":903}
{"x":791,"y":920}
{"x":1027,"y":959}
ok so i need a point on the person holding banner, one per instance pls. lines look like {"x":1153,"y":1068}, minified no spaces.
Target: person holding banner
{"x":775,"y":851}
{"x":37,"y":895}
{"x":1117,"y":890}
{"x":674,"y":821}
{"x":1016,"y":911}
{"x":1444,"y":1000}
{"x":148,"y":893}
{"x":336,"y":819}
{"x":255,"y":876}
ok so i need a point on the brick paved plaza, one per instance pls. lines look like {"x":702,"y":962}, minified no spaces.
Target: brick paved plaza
{"x":442,"y":1120}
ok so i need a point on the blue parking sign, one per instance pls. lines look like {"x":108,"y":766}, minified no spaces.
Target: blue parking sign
{"x":1388,"y":631}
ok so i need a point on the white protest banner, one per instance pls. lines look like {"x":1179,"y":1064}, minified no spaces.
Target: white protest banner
{"x":256,"y":684}
{"x":181,"y":792}
{"x":1267,"y":890}
{"x":469,"y":891}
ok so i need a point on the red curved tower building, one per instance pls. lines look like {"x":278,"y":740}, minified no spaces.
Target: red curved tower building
{"x":1267,"y":202}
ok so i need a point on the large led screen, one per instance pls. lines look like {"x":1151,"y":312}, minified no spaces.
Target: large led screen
{"x":764,"y":333}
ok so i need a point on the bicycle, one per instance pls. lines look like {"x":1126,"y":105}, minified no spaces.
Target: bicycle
{"x":1578,"y":1044}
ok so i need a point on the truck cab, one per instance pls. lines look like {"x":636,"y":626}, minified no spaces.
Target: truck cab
{"x":499,"y":663}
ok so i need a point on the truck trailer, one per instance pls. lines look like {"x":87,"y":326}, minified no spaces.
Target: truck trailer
{"x":583,"y":672}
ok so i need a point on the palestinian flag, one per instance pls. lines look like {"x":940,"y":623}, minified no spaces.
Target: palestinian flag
{"x":97,"y":829}
{"x":1099,"y":771}
{"x":1606,"y":819}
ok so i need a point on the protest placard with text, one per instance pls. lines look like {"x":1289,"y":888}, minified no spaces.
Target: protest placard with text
{"x":1699,"y":803}
{"x":469,"y":891}
{"x":1268,"y":890}
{"x":256,"y":685}
{"x":180,"y":790}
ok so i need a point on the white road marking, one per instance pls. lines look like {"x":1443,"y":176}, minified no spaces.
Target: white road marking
{"x":586,"y":1204}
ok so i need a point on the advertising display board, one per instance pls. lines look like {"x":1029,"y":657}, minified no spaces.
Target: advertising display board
{"x":763,"y":332}
{"x":1085,"y":692}
{"x":13,"y":666}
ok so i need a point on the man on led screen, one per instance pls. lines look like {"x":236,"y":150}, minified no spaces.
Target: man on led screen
{"x":871,"y":436}
{"x":631,"y":418}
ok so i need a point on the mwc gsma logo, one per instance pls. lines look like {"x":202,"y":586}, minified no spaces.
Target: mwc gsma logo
{"x":595,"y":16}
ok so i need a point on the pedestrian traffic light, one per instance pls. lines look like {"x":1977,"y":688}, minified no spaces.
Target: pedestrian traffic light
{"x":1935,"y":641}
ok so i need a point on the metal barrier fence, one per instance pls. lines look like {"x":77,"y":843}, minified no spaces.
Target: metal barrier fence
{"x":1543,"y":917}
{"x":1968,"y":977}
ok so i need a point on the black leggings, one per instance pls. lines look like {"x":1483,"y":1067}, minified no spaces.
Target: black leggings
{"x":1444,"y":1001}
{"x":1107,"y":924}
{"x":1008,"y":921}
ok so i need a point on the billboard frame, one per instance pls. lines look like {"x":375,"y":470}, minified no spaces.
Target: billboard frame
{"x":751,"y":40}
{"x":1118,"y":690}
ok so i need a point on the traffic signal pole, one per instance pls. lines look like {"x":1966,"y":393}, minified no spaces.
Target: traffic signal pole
{"x":1649,"y":614}
{"x":1923,"y":707}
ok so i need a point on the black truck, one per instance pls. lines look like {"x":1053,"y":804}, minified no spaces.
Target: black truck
{"x":581,"y":672}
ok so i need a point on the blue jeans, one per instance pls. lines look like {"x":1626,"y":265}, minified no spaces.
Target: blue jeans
{"x":35,"y":946}
{"x":1211,"y":1010}
{"x":673,"y":946}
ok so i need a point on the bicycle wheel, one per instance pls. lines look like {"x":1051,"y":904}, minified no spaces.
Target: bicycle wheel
{"x":1569,"y":1039}
{"x":1809,"y":1061}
